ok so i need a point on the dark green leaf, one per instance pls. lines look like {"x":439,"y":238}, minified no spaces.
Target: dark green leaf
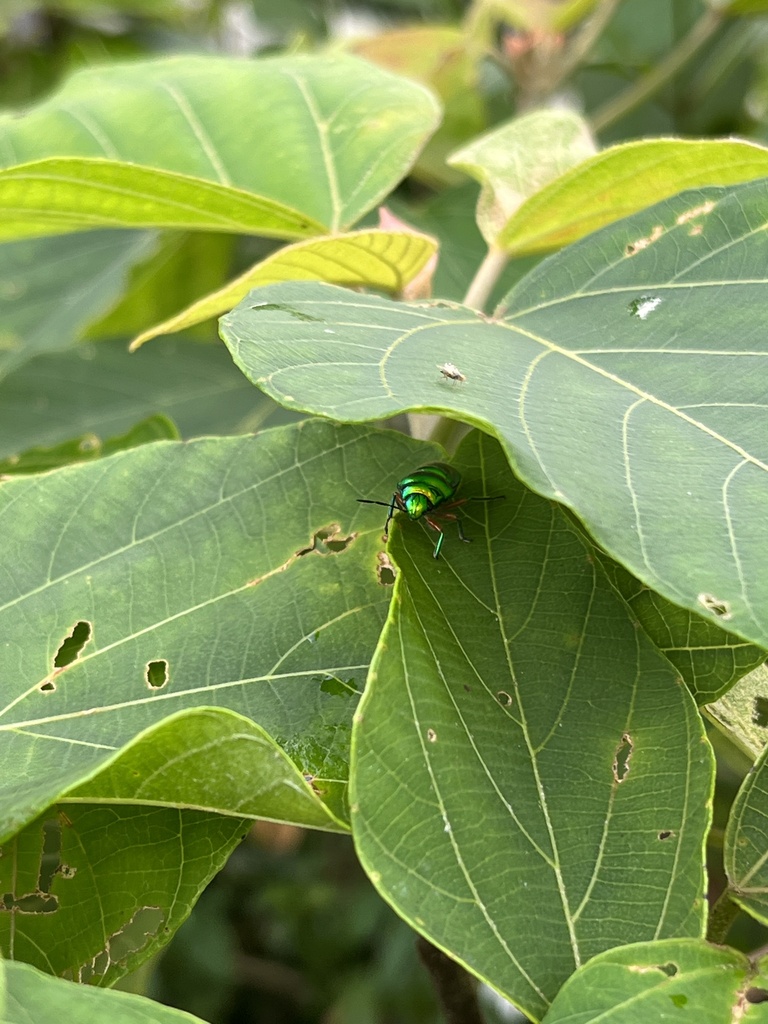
{"x":88,"y":447}
{"x":530,"y":778}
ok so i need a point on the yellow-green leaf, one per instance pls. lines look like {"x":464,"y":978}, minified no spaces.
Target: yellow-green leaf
{"x":386,"y":260}
{"x":622,"y":180}
{"x":518,"y":159}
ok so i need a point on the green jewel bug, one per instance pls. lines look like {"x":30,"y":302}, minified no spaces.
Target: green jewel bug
{"x":429,"y":492}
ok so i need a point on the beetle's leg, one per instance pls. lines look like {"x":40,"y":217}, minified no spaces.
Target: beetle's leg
{"x":440,"y":539}
{"x":467,"y":540}
{"x":392,"y":506}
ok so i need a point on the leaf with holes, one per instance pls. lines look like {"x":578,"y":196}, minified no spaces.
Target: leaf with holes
{"x":626,"y":379}
{"x":530,"y":778}
{"x":658,"y":981}
{"x":221,"y":572}
{"x":91,"y":891}
{"x":316,"y":143}
{"x":189,"y":628}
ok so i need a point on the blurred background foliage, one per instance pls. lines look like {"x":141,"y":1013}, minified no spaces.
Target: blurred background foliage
{"x":292,"y":931}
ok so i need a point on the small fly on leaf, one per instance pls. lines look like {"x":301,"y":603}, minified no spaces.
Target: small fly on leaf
{"x":451,"y":372}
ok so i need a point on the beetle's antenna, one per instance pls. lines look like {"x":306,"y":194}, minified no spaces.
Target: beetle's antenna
{"x":369,"y":501}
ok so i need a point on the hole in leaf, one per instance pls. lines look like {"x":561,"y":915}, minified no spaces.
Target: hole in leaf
{"x":679,"y":999}
{"x":385,"y":570}
{"x":339,"y":687}
{"x":756,"y":995}
{"x":621,"y":758}
{"x":665,"y":834}
{"x":713,"y":604}
{"x":48,"y":686}
{"x":72,"y":645}
{"x":644,"y":306}
{"x":504,"y":698}
{"x":157,"y":674}
{"x":669,"y":969}
{"x":328,"y":541}
{"x":760,"y":711}
{"x":40,"y":900}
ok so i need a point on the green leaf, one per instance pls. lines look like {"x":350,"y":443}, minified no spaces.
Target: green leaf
{"x":518,"y":159}
{"x":88,"y":447}
{"x":53,"y":288}
{"x":657,"y":981}
{"x":187,"y":264}
{"x":742,"y":713}
{"x":625,"y":381}
{"x":102,"y":390}
{"x":223,"y":572}
{"x":439,"y":56}
{"x":746,"y":837}
{"x":315,"y":143}
{"x":621,"y":180}
{"x":28,"y":995}
{"x":384,"y":260}
{"x":746,"y":7}
{"x":92,"y":891}
{"x":525,"y":767}
{"x":709,"y":659}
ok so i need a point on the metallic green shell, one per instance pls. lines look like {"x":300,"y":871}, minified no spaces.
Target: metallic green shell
{"x":427,"y":487}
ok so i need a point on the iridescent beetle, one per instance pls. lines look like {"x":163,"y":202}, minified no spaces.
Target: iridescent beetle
{"x":429,"y":493}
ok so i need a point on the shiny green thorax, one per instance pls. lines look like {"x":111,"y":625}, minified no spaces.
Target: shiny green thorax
{"x":427,"y":488}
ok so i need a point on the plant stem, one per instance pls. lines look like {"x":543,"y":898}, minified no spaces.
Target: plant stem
{"x":722,"y":915}
{"x":585,"y":39}
{"x":648,"y":84}
{"x":456,"y":990}
{"x":486,"y":277}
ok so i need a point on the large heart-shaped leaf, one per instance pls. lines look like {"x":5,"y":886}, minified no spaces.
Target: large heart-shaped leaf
{"x":626,"y":379}
{"x":286,"y":146}
{"x":530,"y":781}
